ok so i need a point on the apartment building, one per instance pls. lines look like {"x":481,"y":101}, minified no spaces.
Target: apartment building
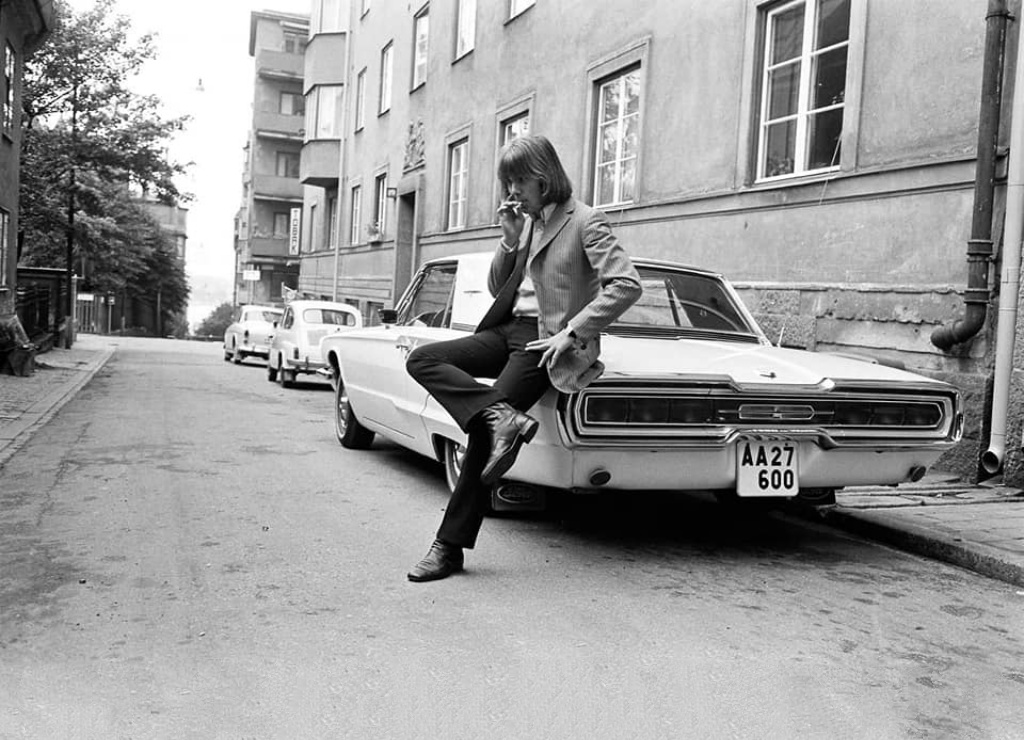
{"x":821,"y":153}
{"x":267,"y":223}
{"x":23,"y":26}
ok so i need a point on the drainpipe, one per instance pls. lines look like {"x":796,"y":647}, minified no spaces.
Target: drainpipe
{"x":979,"y":247}
{"x":1013,"y":236}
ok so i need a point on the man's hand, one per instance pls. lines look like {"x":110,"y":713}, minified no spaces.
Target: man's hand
{"x":552,"y":348}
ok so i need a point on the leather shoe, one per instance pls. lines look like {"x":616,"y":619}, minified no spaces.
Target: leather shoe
{"x":509,"y":430}
{"x":440,"y":562}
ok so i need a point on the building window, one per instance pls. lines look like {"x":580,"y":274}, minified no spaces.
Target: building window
{"x":287,"y":164}
{"x":458,"y":174}
{"x":617,"y":139}
{"x":313,"y":242}
{"x":513,"y":128}
{"x":803,"y":83}
{"x":386,"y":65}
{"x":421,"y":37}
{"x":5,"y":233}
{"x":380,"y":204}
{"x":515,"y":7}
{"x":329,"y":16}
{"x":10,"y":68}
{"x":332,"y":220}
{"x":292,"y":104}
{"x":355,"y":215}
{"x":360,"y":99}
{"x":465,"y":28}
{"x":323,"y":112}
{"x":294,"y":43}
{"x":282,"y":223}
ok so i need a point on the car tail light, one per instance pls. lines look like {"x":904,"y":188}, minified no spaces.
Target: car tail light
{"x":245,"y":335}
{"x":295,"y":353}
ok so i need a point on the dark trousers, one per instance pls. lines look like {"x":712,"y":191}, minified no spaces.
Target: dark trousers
{"x":449,"y":371}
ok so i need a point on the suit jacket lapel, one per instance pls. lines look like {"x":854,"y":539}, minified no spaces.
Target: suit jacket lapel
{"x":559,"y":218}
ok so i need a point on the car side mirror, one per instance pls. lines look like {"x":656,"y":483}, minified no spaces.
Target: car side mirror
{"x":387,"y":315}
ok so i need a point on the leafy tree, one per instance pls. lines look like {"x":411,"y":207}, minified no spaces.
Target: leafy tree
{"x":91,"y":148}
{"x":217,"y":322}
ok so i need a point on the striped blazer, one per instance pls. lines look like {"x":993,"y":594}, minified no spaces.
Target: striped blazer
{"x":581,"y":275}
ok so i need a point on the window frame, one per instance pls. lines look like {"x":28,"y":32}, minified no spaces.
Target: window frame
{"x":387,"y":65}
{"x":465,"y":18}
{"x":751,"y":94}
{"x":10,"y":84}
{"x":380,"y":202}
{"x":283,"y":234}
{"x":332,"y":219}
{"x":360,"y":106}
{"x":355,"y":214}
{"x":457,"y":194}
{"x":293,"y":96}
{"x":633,"y":56}
{"x":804,"y":113}
{"x":5,"y":236}
{"x":317,"y":95}
{"x":517,"y":7}
{"x":286,"y":156}
{"x":420,"y":56}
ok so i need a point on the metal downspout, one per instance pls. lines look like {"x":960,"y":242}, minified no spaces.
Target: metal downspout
{"x":979,"y":246}
{"x":1009,"y":286}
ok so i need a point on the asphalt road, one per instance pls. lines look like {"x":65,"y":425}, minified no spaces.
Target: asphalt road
{"x":186,"y":552}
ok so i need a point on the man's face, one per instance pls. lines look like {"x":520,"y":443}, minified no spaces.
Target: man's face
{"x":527,"y":191}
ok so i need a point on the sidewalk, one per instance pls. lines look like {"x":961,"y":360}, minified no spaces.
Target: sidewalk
{"x":978,"y":527}
{"x":28,"y":403}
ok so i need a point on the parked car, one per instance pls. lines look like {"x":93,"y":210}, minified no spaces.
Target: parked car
{"x":693,"y":397}
{"x":295,"y":342}
{"x":247,"y":334}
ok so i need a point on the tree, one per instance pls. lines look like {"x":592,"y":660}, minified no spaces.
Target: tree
{"x":91,"y":150}
{"x":215,"y":324}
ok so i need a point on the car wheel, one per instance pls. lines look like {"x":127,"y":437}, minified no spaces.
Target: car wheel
{"x":351,"y":434}
{"x":453,"y":454}
{"x":236,"y":356}
{"x":227,"y":353}
{"x":271,"y":371}
{"x":285,"y":377}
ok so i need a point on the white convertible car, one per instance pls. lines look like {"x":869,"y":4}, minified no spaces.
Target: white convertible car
{"x":694,"y":397}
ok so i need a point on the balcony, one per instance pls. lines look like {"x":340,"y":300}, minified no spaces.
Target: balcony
{"x":273,"y":187}
{"x":320,"y":164}
{"x":278,"y":125}
{"x":268,"y":246}
{"x":279,"y":65}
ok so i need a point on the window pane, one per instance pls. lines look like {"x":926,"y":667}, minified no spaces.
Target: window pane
{"x":419,"y":73}
{"x":609,"y":143}
{"x":467,"y":27}
{"x":515,"y":128}
{"x":826,"y":132}
{"x":830,"y":78}
{"x":631,"y":136}
{"x":787,"y":34}
{"x":605,"y":184}
{"x":783,"y":91}
{"x":632,"y":93}
{"x":833,"y":23}
{"x":628,"y":188}
{"x":780,"y":149}
{"x":611,"y":104}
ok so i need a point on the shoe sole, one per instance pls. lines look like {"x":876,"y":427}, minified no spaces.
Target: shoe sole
{"x":434,"y":576}
{"x":507,"y":460}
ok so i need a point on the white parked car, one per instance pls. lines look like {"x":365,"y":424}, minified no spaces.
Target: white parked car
{"x":248,"y":333}
{"x":295,"y":344}
{"x":693,"y":397}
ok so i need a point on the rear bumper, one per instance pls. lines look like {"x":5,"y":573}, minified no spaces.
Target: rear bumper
{"x":305,"y":366}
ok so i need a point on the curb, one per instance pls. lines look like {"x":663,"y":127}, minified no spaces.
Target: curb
{"x":52,"y":404}
{"x":974,"y":556}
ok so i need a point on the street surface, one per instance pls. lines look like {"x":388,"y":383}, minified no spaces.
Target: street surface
{"x":187,"y":552}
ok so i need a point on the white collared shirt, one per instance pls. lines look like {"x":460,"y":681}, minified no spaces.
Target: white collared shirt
{"x":526,"y":297}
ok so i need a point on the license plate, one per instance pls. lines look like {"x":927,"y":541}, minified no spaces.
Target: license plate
{"x":766,"y":468}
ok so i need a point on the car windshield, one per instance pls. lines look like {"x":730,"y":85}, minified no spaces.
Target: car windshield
{"x":330,"y":316}
{"x":679,"y":303}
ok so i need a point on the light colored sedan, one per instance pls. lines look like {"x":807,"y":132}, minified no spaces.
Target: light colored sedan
{"x":295,"y":344}
{"x":247,"y":334}
{"x":693,"y":397}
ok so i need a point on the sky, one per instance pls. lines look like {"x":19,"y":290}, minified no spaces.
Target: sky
{"x":203,"y":69}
